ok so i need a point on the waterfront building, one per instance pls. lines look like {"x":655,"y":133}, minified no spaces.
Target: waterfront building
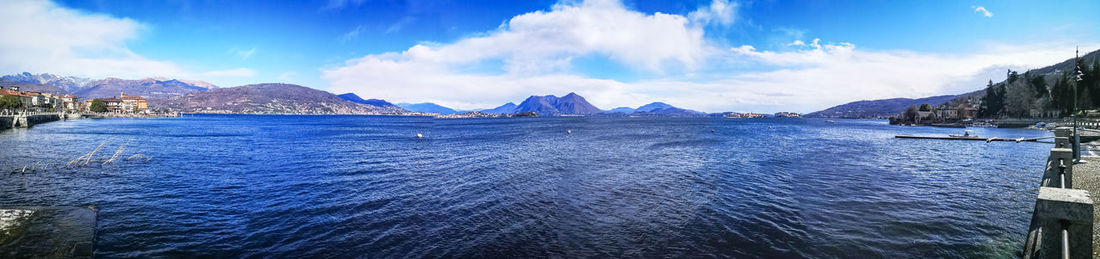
{"x":947,"y":114}
{"x":113,"y":104}
{"x":69,"y":102}
{"x":132,"y":103}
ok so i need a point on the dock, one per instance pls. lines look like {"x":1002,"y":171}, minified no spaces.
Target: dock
{"x":972,"y":138}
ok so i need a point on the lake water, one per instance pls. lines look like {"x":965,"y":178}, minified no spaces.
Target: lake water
{"x":365,"y":186}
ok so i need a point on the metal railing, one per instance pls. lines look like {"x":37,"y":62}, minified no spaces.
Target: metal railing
{"x":1060,"y":209}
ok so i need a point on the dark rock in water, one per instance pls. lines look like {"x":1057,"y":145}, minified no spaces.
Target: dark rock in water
{"x":525,"y":114}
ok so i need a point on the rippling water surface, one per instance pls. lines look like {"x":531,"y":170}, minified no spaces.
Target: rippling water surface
{"x":355,"y":186}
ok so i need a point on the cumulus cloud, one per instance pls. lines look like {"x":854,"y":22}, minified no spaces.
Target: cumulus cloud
{"x":829,"y":74}
{"x":981,"y":10}
{"x":533,"y":52}
{"x":720,"y":11}
{"x":534,"y":48}
{"x":45,"y":37}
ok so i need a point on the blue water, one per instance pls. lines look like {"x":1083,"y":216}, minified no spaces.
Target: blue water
{"x":365,"y":186}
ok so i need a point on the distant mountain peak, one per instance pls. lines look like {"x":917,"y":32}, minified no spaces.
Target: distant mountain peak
{"x":352,"y":97}
{"x":570,"y":104}
{"x":507,"y":108}
{"x":427,"y":107}
{"x":653,"y":106}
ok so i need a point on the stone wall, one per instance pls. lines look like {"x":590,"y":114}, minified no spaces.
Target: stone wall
{"x":6,"y":122}
{"x":1062,"y":222}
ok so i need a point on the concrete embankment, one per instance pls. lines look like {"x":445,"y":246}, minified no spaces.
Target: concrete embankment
{"x":47,"y":232}
{"x":1063,"y":224}
{"x":28,"y":120}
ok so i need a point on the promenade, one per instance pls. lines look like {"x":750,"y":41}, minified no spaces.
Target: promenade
{"x":1087,"y":177}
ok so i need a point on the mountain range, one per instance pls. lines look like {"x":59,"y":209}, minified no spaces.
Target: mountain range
{"x":427,"y":108}
{"x":273,"y":98}
{"x":546,"y":105}
{"x":549,"y":105}
{"x":85,"y":88}
{"x":655,"y":109}
{"x":276,"y":98}
{"x":506,"y":108}
{"x":867,"y":109}
{"x":381,"y":104}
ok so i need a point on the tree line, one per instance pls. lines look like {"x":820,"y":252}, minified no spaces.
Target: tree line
{"x":1019,"y":94}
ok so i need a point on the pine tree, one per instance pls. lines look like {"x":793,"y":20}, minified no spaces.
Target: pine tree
{"x":993,"y":101}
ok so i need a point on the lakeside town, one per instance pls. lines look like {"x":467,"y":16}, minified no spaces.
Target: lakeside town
{"x":12,"y":101}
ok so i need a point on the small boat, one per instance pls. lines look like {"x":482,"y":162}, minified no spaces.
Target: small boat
{"x":830,"y":121}
{"x":966,"y":134}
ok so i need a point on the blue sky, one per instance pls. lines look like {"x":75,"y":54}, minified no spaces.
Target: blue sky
{"x":715,"y":55}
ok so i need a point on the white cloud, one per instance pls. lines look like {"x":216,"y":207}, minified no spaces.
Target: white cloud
{"x":982,"y":10}
{"x":536,"y":49}
{"x":720,"y":11}
{"x":830,"y":74}
{"x":43,"y":37}
{"x":242,"y":53}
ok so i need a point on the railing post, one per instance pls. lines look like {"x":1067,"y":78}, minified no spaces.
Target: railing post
{"x":1060,"y":215}
{"x":1054,"y":174}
